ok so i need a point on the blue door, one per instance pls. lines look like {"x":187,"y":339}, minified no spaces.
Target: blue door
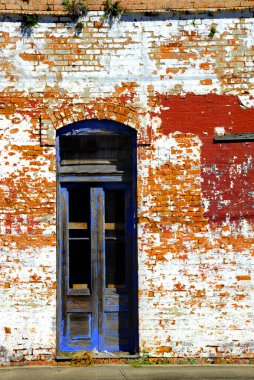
{"x":97,"y":271}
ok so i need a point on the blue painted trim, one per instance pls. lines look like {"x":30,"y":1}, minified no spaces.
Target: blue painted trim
{"x":94,"y":194}
{"x":90,"y":127}
{"x":86,"y":127}
{"x":67,"y":241}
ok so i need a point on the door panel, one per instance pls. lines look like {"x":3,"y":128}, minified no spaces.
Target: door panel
{"x":78,"y":304}
{"x":97,"y":268}
{"x":97,"y":308}
{"x":97,"y":248}
{"x":115,"y":238}
{"x":77,"y":312}
{"x":116,"y":308}
{"x":79,"y":326}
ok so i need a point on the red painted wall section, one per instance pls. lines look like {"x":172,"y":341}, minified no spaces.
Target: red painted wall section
{"x":226,"y":168}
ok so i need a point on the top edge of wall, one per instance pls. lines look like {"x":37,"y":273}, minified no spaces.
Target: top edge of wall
{"x":56,"y":7}
{"x":152,"y":12}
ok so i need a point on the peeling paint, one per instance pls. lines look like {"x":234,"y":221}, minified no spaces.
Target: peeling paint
{"x":178,"y":87}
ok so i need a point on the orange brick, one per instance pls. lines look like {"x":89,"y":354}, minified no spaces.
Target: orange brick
{"x":243,"y":278}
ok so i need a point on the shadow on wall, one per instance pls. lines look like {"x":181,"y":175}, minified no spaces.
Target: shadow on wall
{"x":145,"y":16}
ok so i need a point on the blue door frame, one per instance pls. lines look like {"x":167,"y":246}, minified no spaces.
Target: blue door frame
{"x":97,"y":317}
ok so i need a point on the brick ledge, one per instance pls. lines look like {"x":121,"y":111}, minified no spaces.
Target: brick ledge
{"x":130,"y":11}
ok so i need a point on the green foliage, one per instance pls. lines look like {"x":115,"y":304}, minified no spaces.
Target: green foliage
{"x":140,"y":362}
{"x":144,"y":360}
{"x":213,"y":31}
{"x":75,"y":8}
{"x":135,"y":364}
{"x":111,"y":10}
{"x":78,"y":28}
{"x":29,"y":21}
{"x":192,"y":361}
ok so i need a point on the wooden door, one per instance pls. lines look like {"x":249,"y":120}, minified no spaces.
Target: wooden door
{"x":98,"y":293}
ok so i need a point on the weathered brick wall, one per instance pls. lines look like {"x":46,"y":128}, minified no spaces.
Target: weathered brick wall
{"x":133,"y":5}
{"x":167,"y":77}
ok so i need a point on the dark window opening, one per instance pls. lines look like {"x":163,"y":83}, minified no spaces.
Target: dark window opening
{"x":79,"y":264}
{"x":79,"y":239}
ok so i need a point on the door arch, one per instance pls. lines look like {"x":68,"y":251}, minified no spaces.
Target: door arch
{"x":96,"y":214}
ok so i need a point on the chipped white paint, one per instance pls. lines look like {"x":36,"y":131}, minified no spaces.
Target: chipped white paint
{"x":27,"y":315}
{"x":204,"y":327}
{"x":28,"y":311}
{"x":183,"y":277}
{"x":247,"y":100}
{"x":12,"y":160}
{"x":127,"y":52}
{"x":219,"y":131}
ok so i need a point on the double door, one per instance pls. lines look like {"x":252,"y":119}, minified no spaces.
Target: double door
{"x":97,"y":265}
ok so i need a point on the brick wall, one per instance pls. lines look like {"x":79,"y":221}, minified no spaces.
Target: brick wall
{"x":52,"y":6}
{"x":174,"y":82}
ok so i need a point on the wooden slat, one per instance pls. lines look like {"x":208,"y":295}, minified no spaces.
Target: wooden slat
{"x":116,"y":324}
{"x":114,"y":286}
{"x":107,"y":155}
{"x":97,"y":201}
{"x":88,"y":162}
{"x":77,"y":226}
{"x":90,"y":143}
{"x":116,"y":302}
{"x":79,"y":304}
{"x":114,"y":226}
{"x":108,"y":226}
{"x":65,"y":256}
{"x":78,"y":292}
{"x":234,"y":137}
{"x":127,"y":177}
{"x":79,"y":326}
{"x":80,"y":286}
{"x":94,"y":169}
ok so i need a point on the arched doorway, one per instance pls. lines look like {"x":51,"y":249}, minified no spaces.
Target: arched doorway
{"x":97,"y":261}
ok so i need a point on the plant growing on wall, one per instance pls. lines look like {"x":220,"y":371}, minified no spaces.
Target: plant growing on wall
{"x":27,"y":23}
{"x":213,"y":31}
{"x":112,"y":11}
{"x":79,"y":27}
{"x":75,"y":8}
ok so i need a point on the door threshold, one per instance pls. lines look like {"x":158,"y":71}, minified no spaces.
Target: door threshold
{"x":101,"y":355}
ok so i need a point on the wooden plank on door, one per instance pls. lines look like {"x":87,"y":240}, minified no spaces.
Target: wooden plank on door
{"x":97,"y":237}
{"x":64,"y":283}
